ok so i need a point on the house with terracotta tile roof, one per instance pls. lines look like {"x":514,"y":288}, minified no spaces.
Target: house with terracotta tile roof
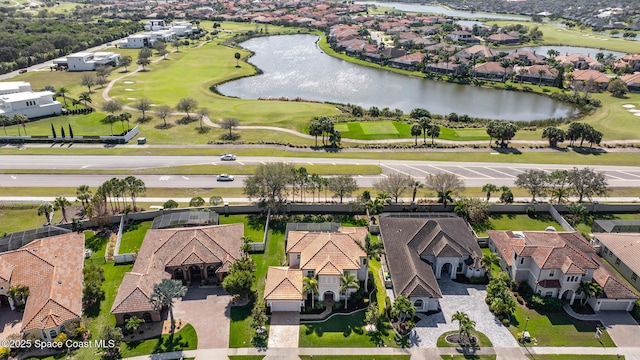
{"x":492,"y":70}
{"x":476,"y":52}
{"x":327,"y":255}
{"x":622,"y":251}
{"x":51,"y":268}
{"x":632,"y":81}
{"x":188,"y":254}
{"x":421,"y":250}
{"x":555,"y":263}
{"x":502,"y":38}
{"x":536,"y":74}
{"x":580,"y":61}
{"x":580,"y":77}
{"x":527,"y":57}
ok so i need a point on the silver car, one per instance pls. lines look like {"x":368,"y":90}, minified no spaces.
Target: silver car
{"x":225,"y":177}
{"x":228,"y":157}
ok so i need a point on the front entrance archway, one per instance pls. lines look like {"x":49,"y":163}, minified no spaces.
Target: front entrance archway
{"x":569,"y":295}
{"x":446,"y":271}
{"x":195,"y":273}
{"x":178,"y":274}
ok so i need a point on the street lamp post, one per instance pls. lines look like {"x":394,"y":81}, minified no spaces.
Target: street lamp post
{"x":526,"y":323}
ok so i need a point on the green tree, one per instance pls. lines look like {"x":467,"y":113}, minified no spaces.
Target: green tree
{"x":45,"y":209}
{"x":164,"y":111}
{"x":587,"y":183}
{"x":124,"y":117}
{"x":229,"y":124}
{"x":21,"y":120}
{"x":444,"y":184}
{"x":144,"y":62}
{"x":63,"y":91}
{"x":425,"y":124}
{"x":196,"y":201}
{"x":238,"y":282}
{"x":4,"y":120}
{"x":315,"y":129}
{"x":135,"y":187}
{"x":534,"y":181}
{"x":126,"y":61}
{"x":186,"y":105}
{"x":347,"y":282}
{"x":502,"y":131}
{"x":403,"y":310}
{"x":577,"y":213}
{"x":373,"y":250}
{"x":85,"y":98}
{"x":433,"y":131}
{"x":237,"y":56}
{"x":310,"y":284}
{"x":92,"y":279}
{"x":163,"y":295}
{"x":488,"y":261}
{"x":133,"y":323}
{"x":395,"y":184}
{"x":554,"y":135}
{"x":489,"y":188}
{"x":202,"y":113}
{"x":170,"y":204}
{"x":88,"y":81}
{"x":461,"y":318}
{"x":506,"y":196}
{"x":269,"y":182}
{"x":416,"y":130}
{"x":415,"y":185}
{"x":588,"y":290}
{"x":342,"y":185}
{"x":111,"y":107}
{"x":61,"y":203}
{"x":375,"y":206}
{"x":111,"y":335}
{"x":143,"y":105}
{"x":83,"y":193}
{"x":617,"y":88}
{"x":559,"y":185}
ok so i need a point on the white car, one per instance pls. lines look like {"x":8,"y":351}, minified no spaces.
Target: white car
{"x":228,"y":157}
{"x":225,"y":177}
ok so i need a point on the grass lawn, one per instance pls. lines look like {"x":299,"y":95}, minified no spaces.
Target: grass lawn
{"x":378,"y":130}
{"x":483,"y":340}
{"x":557,"y":329}
{"x":18,"y":219}
{"x":581,"y":357}
{"x":240,"y":331}
{"x":355,"y":357}
{"x":342,"y":331}
{"x":185,"y":339}
{"x":518,"y":222}
{"x":133,"y":236}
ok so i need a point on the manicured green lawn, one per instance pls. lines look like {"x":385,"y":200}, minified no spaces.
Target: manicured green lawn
{"x":133,"y":236}
{"x":342,"y":331}
{"x":240,"y":331}
{"x":517,"y":222}
{"x":185,"y":339}
{"x":581,"y":357}
{"x":557,"y":329}
{"x":246,"y":357}
{"x":355,"y":357}
{"x":17,"y":219}
{"x":483,"y":340}
{"x":378,"y":130}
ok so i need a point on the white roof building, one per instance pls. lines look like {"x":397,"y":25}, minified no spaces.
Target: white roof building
{"x":18,"y":98}
{"x":86,"y":61}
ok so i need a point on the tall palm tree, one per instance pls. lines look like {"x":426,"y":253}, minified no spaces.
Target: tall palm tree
{"x":4,"y":120}
{"x":61,"y":203}
{"x":135,"y":187}
{"x":424,"y":123}
{"x":45,"y":209}
{"x":488,"y":260}
{"x":246,"y":245}
{"x":83,"y":193}
{"x":416,"y":185}
{"x":489,"y":188}
{"x":163,"y":295}
{"x":375,"y":206}
{"x":433,"y":131}
{"x":310,"y":284}
{"x":125,"y":116}
{"x":110,"y":119}
{"x":588,"y":290}
{"x":85,"y":98}
{"x":373,"y":250}
{"x":348,"y":281}
{"x":461,"y":318}
{"x":416,"y":130}
{"x":20,"y":119}
{"x":63,"y":91}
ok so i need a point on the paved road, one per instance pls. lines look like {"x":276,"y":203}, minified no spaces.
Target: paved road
{"x":473,"y":174}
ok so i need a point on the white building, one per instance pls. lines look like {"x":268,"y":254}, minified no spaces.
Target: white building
{"x":158,"y":30}
{"x":136,"y":41}
{"x":86,"y":61}
{"x":18,"y":98}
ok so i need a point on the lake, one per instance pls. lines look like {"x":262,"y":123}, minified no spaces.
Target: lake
{"x":439,"y":10}
{"x":542,"y":50}
{"x":293,"y":66}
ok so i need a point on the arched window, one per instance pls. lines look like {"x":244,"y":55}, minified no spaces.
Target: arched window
{"x":418,"y":304}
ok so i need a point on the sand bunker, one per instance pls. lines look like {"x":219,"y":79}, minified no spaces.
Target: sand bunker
{"x":628,"y":106}
{"x":128,"y":89}
{"x":128,"y":82}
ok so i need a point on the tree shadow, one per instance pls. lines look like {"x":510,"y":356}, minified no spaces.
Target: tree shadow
{"x":507,"y":150}
{"x":588,"y":150}
{"x":144,"y":120}
{"x":203,"y":130}
{"x":164,"y":127}
{"x":186,"y":120}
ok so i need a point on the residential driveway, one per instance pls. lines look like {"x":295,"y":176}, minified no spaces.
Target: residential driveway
{"x":10,"y":322}
{"x":207,"y":309}
{"x":468,"y":299}
{"x":622,"y":328}
{"x":284,"y":329}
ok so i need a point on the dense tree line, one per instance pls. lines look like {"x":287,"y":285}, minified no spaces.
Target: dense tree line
{"x":560,"y":184}
{"x":25,"y":42}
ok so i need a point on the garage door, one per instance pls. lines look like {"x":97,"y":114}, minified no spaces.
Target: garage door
{"x":285,"y":306}
{"x":614,"y":305}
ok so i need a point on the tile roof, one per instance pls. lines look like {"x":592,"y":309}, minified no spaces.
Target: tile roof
{"x":162,"y":248}
{"x":52,"y":269}
{"x":590,"y":74}
{"x":549,"y":283}
{"x":612,"y":286}
{"x":626,"y":246}
{"x":407,"y":239}
{"x":283,"y":283}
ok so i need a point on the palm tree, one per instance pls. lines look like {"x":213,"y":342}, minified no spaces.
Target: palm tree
{"x":310,"y":284}
{"x":348,"y":281}
{"x":83,"y":193}
{"x":86,"y":98}
{"x":246,"y":245}
{"x":61,"y":203}
{"x":375,"y":206}
{"x":433,"y":131}
{"x":461,"y":318}
{"x":125,"y":116}
{"x":424,"y":123}
{"x":373,"y":251}
{"x":202,"y":113}
{"x":588,"y":290}
{"x":540,"y":73}
{"x":444,"y":197}
{"x":45,"y":209}
{"x":20,"y":119}
{"x":403,"y":309}
{"x":63,"y":91}
{"x":489,"y":188}
{"x":237,"y":56}
{"x":468,"y":326}
{"x":416,"y":185}
{"x":416,"y":130}
{"x":4,"y":120}
{"x":135,"y":187}
{"x":488,"y":260}
{"x":110,"y":119}
{"x":163,"y":295}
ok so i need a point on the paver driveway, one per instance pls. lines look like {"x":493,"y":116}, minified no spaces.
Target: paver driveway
{"x":468,"y":299}
{"x":10,"y":322}
{"x":621,"y":326}
{"x":207,"y":310}
{"x":284,"y":329}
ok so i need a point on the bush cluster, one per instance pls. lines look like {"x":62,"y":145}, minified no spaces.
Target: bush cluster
{"x":539,"y":302}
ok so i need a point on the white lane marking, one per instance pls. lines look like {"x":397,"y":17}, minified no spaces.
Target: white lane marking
{"x":415,"y":168}
{"x":501,"y":172}
{"x":263,"y":163}
{"x":186,"y":178}
{"x":450,"y":172}
{"x":545,"y":170}
{"x":396,"y":170}
{"x":310,"y":163}
{"x":626,"y":173}
{"x":479,"y":173}
{"x":164,"y":178}
{"x":615,"y":177}
{"x":13,"y":177}
{"x":86,"y":166}
{"x":241,"y":163}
